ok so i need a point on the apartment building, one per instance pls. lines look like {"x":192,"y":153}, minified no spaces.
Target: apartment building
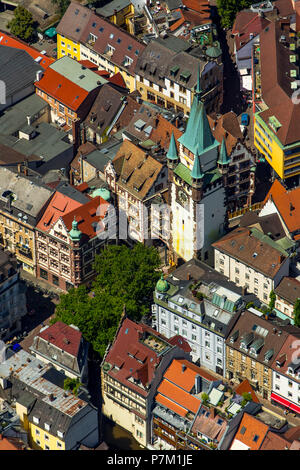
{"x":252,"y":260}
{"x":22,"y":204}
{"x":287,"y":293}
{"x":136,"y":178}
{"x":131,"y":370}
{"x":251,"y":347}
{"x":168,"y":77}
{"x":69,"y":88}
{"x":54,"y":418}
{"x":202,"y":306}
{"x":120,"y":13}
{"x":275,"y":72}
{"x":84,"y":35}
{"x":66,"y":250}
{"x":13,"y":306}
{"x":64,"y":347}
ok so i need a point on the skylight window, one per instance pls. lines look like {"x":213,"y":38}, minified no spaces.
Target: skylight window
{"x":101,"y":29}
{"x":255,"y":438}
{"x":129,"y":47}
{"x":94,"y":25}
{"x":126,"y":331}
{"x":243,"y":430}
{"x":180,"y":300}
{"x":111,"y":36}
{"x":119,"y":40}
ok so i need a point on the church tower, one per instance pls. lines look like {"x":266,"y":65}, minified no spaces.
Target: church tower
{"x":197,"y":195}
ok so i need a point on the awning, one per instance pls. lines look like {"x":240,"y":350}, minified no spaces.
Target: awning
{"x":288,"y":404}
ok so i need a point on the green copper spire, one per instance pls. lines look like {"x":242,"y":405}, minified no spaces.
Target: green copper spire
{"x":74,"y":233}
{"x":198,"y":133}
{"x":223,"y":157}
{"x":198,"y":87}
{"x":196,"y":171}
{"x":172,"y":152}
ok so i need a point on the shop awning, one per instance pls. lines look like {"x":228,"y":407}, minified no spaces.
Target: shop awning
{"x":283,"y":401}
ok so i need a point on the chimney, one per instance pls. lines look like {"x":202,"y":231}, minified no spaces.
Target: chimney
{"x":39,"y":75}
{"x":51,"y":397}
{"x":19,"y":167}
{"x":76,"y":136}
{"x":188,"y":276}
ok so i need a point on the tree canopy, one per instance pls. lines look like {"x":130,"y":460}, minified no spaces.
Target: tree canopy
{"x":22,"y":24}
{"x":228,"y":9}
{"x":124,"y":277}
{"x":297,"y":312}
{"x":62,"y":5}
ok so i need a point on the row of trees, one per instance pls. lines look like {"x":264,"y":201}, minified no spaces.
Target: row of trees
{"x":124,"y":277}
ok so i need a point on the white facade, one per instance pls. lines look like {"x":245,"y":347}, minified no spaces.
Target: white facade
{"x":245,"y":276}
{"x":207,"y":345}
{"x":287,"y":386}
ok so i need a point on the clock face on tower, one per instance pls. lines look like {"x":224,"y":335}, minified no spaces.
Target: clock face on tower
{"x":182,"y":196}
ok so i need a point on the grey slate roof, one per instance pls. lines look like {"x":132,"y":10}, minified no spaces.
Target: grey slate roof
{"x":156,"y":61}
{"x":108,"y":9}
{"x":73,"y":193}
{"x":30,"y":197}
{"x":15,"y":117}
{"x":17,"y":69}
{"x":48,"y":143}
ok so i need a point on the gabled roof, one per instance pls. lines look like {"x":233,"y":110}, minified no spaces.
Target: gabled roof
{"x":58,"y":206}
{"x":276,"y":82}
{"x":134,"y":356}
{"x":288,"y":289}
{"x":247,"y":25}
{"x":62,"y":336}
{"x":11,"y":41}
{"x":245,"y":387}
{"x":74,"y":21}
{"x":287,"y":203}
{"x":88,"y":216}
{"x":227,"y":126}
{"x":161,"y":134}
{"x":136,"y":170}
{"x":183,"y":373}
{"x":245,"y":245}
{"x":210,"y":424}
{"x":109,"y":34}
{"x":251,"y":433}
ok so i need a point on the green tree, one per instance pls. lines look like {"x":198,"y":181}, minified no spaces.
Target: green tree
{"x":124,"y":277}
{"x":72,"y":384}
{"x":297,"y":312}
{"x":246,"y":397}
{"x":228,"y":9}
{"x":204,"y":398}
{"x":272,"y":300}
{"x":62,"y":5}
{"x":22,"y":24}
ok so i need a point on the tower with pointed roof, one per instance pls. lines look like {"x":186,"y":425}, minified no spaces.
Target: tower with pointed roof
{"x":197,"y":192}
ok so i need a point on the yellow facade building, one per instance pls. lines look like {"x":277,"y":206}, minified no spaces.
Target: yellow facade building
{"x":276,"y":98}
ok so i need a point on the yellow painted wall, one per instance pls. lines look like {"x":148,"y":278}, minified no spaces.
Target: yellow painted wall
{"x":62,"y":46}
{"x":38,"y":434}
{"x":123,"y":17}
{"x":275,"y":157}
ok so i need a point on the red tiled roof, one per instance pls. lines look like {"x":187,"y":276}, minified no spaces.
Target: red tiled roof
{"x":10,"y":41}
{"x":161,"y":134}
{"x":252,"y":427}
{"x":87,"y":216}
{"x":62,"y":89}
{"x":11,"y":443}
{"x":58,"y":206}
{"x":179,"y":22}
{"x":63,"y":337}
{"x":88,"y":64}
{"x":129,"y":341}
{"x":287,"y":204}
{"x":117,"y":79}
{"x":178,"y":340}
{"x":274,"y":441}
{"x":245,"y":387}
{"x":201,"y":6}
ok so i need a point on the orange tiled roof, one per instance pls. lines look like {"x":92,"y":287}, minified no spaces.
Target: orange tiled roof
{"x":287,"y":204}
{"x":62,"y":89}
{"x":11,"y":444}
{"x":87,"y":215}
{"x":250,"y":428}
{"x":58,"y":206}
{"x":178,"y":22}
{"x":245,"y":387}
{"x":184,"y":379}
{"x":171,"y":405}
{"x":7,"y":40}
{"x":179,"y":396}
